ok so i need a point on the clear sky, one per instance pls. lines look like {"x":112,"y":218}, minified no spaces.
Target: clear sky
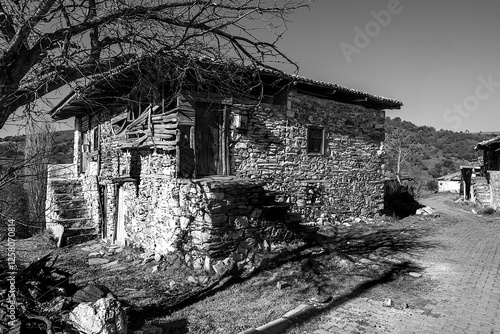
{"x":441,"y":58}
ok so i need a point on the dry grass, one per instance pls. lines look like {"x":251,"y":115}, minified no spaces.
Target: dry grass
{"x":362,"y":258}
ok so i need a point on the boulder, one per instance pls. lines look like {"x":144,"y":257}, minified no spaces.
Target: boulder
{"x":104,"y":316}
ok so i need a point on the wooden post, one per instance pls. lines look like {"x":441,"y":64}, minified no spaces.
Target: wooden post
{"x":177,"y":152}
{"x":223,"y":142}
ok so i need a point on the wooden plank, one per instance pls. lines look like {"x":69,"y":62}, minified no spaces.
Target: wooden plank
{"x":166,"y":142}
{"x":178,"y":153}
{"x":137,"y":132}
{"x":205,"y":97}
{"x":164,"y":136}
{"x":165,"y":132}
{"x":164,"y":126}
{"x":119,"y":118}
{"x":158,"y":143}
{"x":186,"y":118}
{"x":140,"y":140}
{"x":165,"y":120}
{"x":225,"y":142}
{"x":143,"y":116}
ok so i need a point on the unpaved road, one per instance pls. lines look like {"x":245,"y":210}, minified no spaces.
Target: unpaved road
{"x":464,"y":270}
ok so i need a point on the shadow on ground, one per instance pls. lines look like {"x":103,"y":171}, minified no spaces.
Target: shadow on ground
{"x":370,"y":254}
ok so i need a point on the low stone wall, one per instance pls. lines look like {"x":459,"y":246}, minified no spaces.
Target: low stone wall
{"x":495,"y":189}
{"x":205,"y":220}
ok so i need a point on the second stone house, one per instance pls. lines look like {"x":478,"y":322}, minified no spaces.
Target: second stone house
{"x":488,"y":185}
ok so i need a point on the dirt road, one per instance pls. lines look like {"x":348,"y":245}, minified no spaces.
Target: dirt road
{"x":464,"y":270}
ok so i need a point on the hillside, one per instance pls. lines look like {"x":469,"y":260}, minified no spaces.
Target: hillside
{"x":441,"y":152}
{"x":12,"y":148}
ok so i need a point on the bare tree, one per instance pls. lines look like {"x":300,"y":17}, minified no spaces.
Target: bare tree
{"x":401,"y":147}
{"x":38,"y":149}
{"x":47,"y":44}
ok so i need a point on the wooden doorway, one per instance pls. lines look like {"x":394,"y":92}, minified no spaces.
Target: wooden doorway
{"x":211,"y":139}
{"x":103,"y":208}
{"x":120,"y":234}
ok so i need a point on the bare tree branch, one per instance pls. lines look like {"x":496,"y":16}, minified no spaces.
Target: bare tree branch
{"x":50,"y":43}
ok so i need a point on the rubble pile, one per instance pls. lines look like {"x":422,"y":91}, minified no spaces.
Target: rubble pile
{"x":41,"y":299}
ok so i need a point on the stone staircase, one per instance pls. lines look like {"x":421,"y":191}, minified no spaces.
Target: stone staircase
{"x":482,"y":191}
{"x":67,"y":213}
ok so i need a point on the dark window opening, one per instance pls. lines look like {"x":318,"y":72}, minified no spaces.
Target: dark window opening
{"x":95,"y":142}
{"x":315,"y":136}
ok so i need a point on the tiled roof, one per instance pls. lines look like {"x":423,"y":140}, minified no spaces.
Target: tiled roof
{"x":457,"y":176}
{"x":482,"y":145}
{"x":123,"y":70}
{"x":301,"y":79}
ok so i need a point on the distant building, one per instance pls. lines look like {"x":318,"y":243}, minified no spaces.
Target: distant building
{"x":450,"y":183}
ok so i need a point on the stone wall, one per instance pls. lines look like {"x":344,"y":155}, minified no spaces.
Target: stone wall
{"x":344,"y":181}
{"x":449,"y":186}
{"x":495,"y":189}
{"x":205,"y":220}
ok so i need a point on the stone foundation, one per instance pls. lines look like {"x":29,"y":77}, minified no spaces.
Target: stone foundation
{"x":495,"y":189}
{"x":206,"y":220}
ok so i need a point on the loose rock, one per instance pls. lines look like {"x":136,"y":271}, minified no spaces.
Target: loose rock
{"x":105,"y":316}
{"x":413,"y":274}
{"x":283,"y":285}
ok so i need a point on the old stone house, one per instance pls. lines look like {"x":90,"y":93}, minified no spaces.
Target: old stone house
{"x":491,"y":171}
{"x":209,"y":173}
{"x":450,"y":183}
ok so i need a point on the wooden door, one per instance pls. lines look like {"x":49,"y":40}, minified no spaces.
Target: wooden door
{"x":103,"y":207}
{"x":210,"y":139}
{"x":120,"y":233}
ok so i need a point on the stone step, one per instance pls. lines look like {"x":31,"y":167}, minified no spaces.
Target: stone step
{"x":72,"y":209}
{"x":70,"y":180}
{"x":78,"y":194}
{"x":68,"y":215}
{"x":72,"y":231}
{"x":78,"y":239}
{"x":82,"y":202}
{"x":71,"y":221}
{"x":66,"y":192}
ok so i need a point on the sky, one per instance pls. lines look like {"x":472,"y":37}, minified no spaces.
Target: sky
{"x":439,"y":57}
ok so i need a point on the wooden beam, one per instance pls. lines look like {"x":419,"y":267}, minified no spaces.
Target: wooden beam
{"x":206,"y":97}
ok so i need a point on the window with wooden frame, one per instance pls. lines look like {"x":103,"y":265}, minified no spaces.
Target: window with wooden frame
{"x":315,"y":139}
